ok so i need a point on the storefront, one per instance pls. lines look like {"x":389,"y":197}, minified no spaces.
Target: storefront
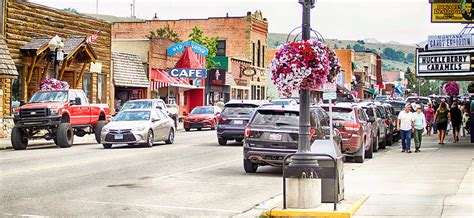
{"x":7,"y":71}
{"x":258,"y":84}
{"x":240,"y":84}
{"x":130,"y":79}
{"x":217,"y":88}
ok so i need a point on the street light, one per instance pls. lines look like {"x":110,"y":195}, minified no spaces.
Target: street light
{"x":55,"y":47}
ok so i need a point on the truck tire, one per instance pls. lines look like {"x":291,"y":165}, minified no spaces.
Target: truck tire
{"x":65,"y":135}
{"x":98,"y":130}
{"x":222,"y":141}
{"x":19,"y":139}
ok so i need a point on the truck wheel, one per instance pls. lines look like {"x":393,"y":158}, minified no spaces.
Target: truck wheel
{"x":98,"y":130}
{"x":222,"y":141}
{"x":19,"y":139}
{"x":65,"y":135}
{"x":170,"y":139}
{"x":250,"y":167}
{"x":55,"y":141}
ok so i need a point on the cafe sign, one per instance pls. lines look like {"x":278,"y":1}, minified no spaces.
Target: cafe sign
{"x":444,"y":63}
{"x":450,"y":41}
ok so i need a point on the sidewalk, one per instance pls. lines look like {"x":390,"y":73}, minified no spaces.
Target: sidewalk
{"x":437,"y":182}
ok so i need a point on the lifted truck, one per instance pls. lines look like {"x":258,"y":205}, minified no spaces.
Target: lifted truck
{"x":58,"y":115}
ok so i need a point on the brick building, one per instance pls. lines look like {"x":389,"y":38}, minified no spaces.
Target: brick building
{"x":366,"y":71}
{"x":241,"y":38}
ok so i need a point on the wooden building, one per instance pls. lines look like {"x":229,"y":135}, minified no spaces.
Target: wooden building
{"x":7,"y":72}
{"x":28,"y":28}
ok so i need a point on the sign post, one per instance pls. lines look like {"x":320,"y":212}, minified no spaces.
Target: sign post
{"x":329,"y":90}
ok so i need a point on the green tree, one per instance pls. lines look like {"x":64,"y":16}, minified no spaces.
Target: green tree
{"x":335,"y":46}
{"x":210,"y":43}
{"x":348,"y":46}
{"x":410,"y":58}
{"x":165,"y":32}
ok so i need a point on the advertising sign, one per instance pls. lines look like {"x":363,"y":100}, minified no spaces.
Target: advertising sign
{"x":450,"y":41}
{"x":444,"y":63}
{"x":187,"y":73}
{"x":179,"y":47}
{"x":330,"y":95}
{"x":451,"y":11}
{"x":329,"y":87}
{"x":217,"y":76}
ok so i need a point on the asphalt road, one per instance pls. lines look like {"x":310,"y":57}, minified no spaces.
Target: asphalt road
{"x":195,"y":176}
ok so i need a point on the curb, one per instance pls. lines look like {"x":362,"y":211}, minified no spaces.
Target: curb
{"x":323,"y":214}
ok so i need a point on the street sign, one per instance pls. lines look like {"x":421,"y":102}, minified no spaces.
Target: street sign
{"x":329,"y":95}
{"x":329,"y":87}
{"x":450,"y":41}
{"x":187,"y":73}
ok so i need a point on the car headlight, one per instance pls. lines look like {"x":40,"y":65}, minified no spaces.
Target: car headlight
{"x":105,"y":129}
{"x":140,"y":128}
{"x":54,"y":111}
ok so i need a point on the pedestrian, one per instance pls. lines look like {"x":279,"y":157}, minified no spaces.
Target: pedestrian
{"x":405,"y":126}
{"x":435,"y":108}
{"x":413,"y":106}
{"x":441,"y":119}
{"x":456,"y":119}
{"x":419,"y":123}
{"x":429,"y":114}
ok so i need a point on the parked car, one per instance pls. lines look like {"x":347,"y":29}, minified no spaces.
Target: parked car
{"x":152,"y":104}
{"x":138,"y":126}
{"x":392,"y":123}
{"x":57,"y":115}
{"x":233,"y":119}
{"x":202,"y":117}
{"x":418,"y":100}
{"x":379,"y":127}
{"x":355,"y":130}
{"x":382,"y":98}
{"x":397,"y":106}
{"x":285,"y":101}
{"x":272,"y":133}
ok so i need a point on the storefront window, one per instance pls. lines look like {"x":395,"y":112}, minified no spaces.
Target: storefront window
{"x":262,"y":92}
{"x":17,"y":89}
{"x":87,"y":85}
{"x":100,"y":88}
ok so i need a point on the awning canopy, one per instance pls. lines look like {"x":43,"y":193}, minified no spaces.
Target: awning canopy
{"x":129,"y":71}
{"x":371,"y":91}
{"x":161,"y":79}
{"x":7,"y":66}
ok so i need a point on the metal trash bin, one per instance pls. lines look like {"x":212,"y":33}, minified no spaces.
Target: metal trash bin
{"x":326,"y":170}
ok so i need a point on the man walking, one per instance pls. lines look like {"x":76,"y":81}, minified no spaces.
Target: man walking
{"x":419,"y":123}
{"x":405,"y":125}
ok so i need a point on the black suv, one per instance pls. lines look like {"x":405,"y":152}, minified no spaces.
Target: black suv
{"x":233,"y":119}
{"x":272,"y":133}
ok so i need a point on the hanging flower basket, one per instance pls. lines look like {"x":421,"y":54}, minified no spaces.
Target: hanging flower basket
{"x":303,"y":65}
{"x":451,"y":88}
{"x":53,"y":84}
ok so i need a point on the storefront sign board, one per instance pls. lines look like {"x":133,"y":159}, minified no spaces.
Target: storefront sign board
{"x":444,"y":63}
{"x":187,"y":73}
{"x":450,"y":41}
{"x":179,"y":47}
{"x":451,"y":11}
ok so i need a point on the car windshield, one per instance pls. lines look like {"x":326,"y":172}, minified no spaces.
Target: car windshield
{"x":54,"y":96}
{"x":239,"y":109}
{"x":203,"y":110}
{"x":276,"y":117}
{"x":132,"y":116}
{"x":137,"y":105}
{"x":345,"y":114}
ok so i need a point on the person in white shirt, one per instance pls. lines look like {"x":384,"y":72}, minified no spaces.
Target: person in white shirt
{"x":405,"y":126}
{"x":419,"y":124}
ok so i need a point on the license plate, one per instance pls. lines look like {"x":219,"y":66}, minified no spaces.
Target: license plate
{"x":238,"y":122}
{"x":276,"y":137}
{"x":119,"y":136}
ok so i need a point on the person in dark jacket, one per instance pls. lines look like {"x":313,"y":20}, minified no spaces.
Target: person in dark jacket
{"x":441,"y":119}
{"x":456,"y":120}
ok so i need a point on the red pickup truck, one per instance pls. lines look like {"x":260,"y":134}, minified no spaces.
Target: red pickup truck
{"x":58,"y":115}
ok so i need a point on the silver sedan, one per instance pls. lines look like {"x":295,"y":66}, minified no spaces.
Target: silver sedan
{"x":139,"y":126}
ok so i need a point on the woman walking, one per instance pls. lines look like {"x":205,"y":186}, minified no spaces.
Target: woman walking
{"x":456,"y":119}
{"x":429,"y":114}
{"x":441,"y":120}
{"x":419,"y":123}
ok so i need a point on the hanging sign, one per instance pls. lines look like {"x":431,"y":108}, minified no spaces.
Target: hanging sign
{"x":187,"y":73}
{"x":450,"y":41}
{"x":329,"y":87}
{"x":329,"y":95}
{"x":179,"y":47}
{"x":451,"y":11}
{"x":444,"y":63}
{"x":217,"y":76}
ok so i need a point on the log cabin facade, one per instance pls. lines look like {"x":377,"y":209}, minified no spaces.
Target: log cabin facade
{"x":28,"y":27}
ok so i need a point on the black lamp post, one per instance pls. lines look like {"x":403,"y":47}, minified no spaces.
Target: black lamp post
{"x":55,"y":47}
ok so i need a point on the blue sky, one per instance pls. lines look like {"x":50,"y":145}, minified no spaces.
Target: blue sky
{"x":405,"y":21}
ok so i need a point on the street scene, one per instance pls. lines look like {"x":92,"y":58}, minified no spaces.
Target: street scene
{"x":170,"y":109}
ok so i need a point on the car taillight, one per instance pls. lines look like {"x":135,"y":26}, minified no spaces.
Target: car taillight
{"x":247,"y":132}
{"x":352,"y":127}
{"x":311,"y":133}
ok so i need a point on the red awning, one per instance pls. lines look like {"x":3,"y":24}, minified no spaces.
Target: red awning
{"x":189,"y":59}
{"x":160,"y":79}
